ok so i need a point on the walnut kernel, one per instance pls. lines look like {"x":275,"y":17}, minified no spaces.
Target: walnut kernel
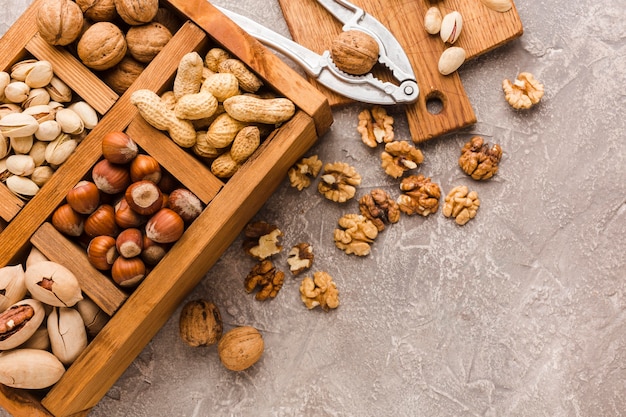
{"x":461,"y":204}
{"x":300,"y":173}
{"x":479,"y":160}
{"x":261,"y":240}
{"x":421,"y":196}
{"x":375,"y":126}
{"x":356,"y":235}
{"x":399,"y":157}
{"x":379,"y":208}
{"x":524,"y":92}
{"x":300,"y":258}
{"x":339,"y":182}
{"x":267,"y":277}
{"x":320,"y":290}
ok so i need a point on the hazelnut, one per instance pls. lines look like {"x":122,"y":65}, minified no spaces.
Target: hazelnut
{"x":354,"y":52}
{"x":186,"y":204}
{"x":146,"y":41}
{"x":152,"y":252}
{"x":145,"y":167}
{"x":165,"y":226}
{"x":102,"y":46}
{"x":240,"y":348}
{"x":59,"y":22}
{"x":101,"y":222}
{"x":144,"y":197}
{"x":102,"y":252}
{"x":118,"y":147}
{"x":128,"y":272}
{"x":126,"y":217}
{"x":200,"y":323}
{"x":129,"y":242}
{"x":110,"y":178}
{"x":84,"y":198}
{"x":68,"y":221}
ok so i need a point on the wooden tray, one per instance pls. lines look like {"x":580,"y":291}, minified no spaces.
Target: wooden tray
{"x":137,"y":317}
{"x":483,"y":30}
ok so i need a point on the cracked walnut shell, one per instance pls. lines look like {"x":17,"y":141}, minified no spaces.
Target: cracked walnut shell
{"x":379,"y":208}
{"x":300,"y":174}
{"x":375,"y":126}
{"x":399,"y":157}
{"x":261,"y":240}
{"x":320,"y":290}
{"x":524,"y":92}
{"x":461,"y":204}
{"x":339,"y":182}
{"x":267,"y":277}
{"x":479,"y":160}
{"x":421,"y":196}
{"x":356,"y":235}
{"x":300,"y":258}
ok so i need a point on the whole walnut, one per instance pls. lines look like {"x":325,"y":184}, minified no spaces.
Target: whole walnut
{"x":146,"y":41}
{"x":121,"y":76}
{"x":200,"y":323}
{"x":240,"y":348}
{"x":137,"y":12}
{"x":102,"y":46}
{"x":98,"y":10}
{"x":59,"y":22}
{"x":354,"y":52}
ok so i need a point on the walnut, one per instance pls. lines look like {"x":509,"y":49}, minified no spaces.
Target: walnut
{"x":375,"y":126}
{"x":358,"y":234}
{"x":121,"y":76}
{"x":300,"y":173}
{"x":146,"y":41}
{"x":524,"y":92}
{"x":399,"y":157}
{"x":261,"y":240}
{"x":479,"y":160}
{"x":379,"y":208}
{"x":339,"y":182}
{"x":265,"y":276}
{"x":168,"y":18}
{"x":461,"y":204}
{"x":354,"y":52}
{"x":300,"y":258}
{"x":59,"y":22}
{"x":102,"y":46}
{"x":98,"y":10}
{"x":320,"y":290}
{"x":137,"y":12}
{"x":200,"y":323}
{"x":421,"y":196}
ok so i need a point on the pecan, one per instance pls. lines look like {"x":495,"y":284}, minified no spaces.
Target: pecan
{"x":12,"y":320}
{"x":379,"y":208}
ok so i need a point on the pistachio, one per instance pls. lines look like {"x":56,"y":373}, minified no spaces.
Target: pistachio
{"x":30,"y":369}
{"x":23,"y":165}
{"x":451,"y":27}
{"x":48,"y":130}
{"x":498,"y":5}
{"x":451,"y":59}
{"x":18,"y":124}
{"x":41,"y":175}
{"x":20,"y":69}
{"x":53,"y":284}
{"x":68,"y":337}
{"x":39,"y":75}
{"x":86,"y":113}
{"x":22,"y":144}
{"x":58,"y":90}
{"x":36,"y":97}
{"x":5,"y":146}
{"x":12,"y":286}
{"x":70,"y":121}
{"x":60,"y":149}
{"x":22,"y":187}
{"x":38,"y":152}
{"x":19,"y":322}
{"x":7,"y":108}
{"x":16,"y":91}
{"x":432,"y":20}
{"x":5,"y":79}
{"x":42,"y":112}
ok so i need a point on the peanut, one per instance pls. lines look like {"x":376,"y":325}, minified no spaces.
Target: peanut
{"x":196,"y":106}
{"x":246,"y":142}
{"x":156,"y":113}
{"x":169,"y":99}
{"x":224,"y":166}
{"x":203,"y":148}
{"x":214,"y":57}
{"x":189,"y":75}
{"x":221,"y":85}
{"x":223,"y":130}
{"x":247,"y":108}
{"x":247,"y":80}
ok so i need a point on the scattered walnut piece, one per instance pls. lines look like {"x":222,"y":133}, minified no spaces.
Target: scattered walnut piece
{"x":399,"y":157}
{"x":524,"y":92}
{"x":339,"y":182}
{"x":461,"y":204}
{"x":262,"y":240}
{"x":358,"y":235}
{"x":379,"y":208}
{"x":300,"y":258}
{"x":375,"y":126}
{"x":267,"y":277}
{"x":479,"y":160}
{"x":300,"y":174}
{"x":421,"y":196}
{"x":320,"y":290}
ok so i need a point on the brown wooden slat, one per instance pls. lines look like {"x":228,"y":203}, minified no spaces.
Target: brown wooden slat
{"x":94,"y":284}
{"x":14,"y":40}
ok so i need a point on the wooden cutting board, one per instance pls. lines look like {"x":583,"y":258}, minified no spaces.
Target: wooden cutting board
{"x":483,"y":30}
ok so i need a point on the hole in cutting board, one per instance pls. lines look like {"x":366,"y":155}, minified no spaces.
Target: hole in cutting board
{"x":434,"y":102}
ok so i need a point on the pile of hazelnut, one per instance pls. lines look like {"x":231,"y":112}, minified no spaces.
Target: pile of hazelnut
{"x":129,"y":213}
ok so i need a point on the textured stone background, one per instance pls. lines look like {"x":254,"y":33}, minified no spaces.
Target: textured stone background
{"x":522,"y":312}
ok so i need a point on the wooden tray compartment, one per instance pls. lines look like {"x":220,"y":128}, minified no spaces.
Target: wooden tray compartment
{"x":137,"y":317}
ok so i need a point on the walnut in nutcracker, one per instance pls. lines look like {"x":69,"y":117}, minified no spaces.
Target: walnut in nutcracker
{"x":379,"y":208}
{"x":479,"y":160}
{"x":354,"y":52}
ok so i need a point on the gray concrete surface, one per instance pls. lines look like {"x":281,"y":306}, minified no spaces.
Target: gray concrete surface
{"x":522,"y":312}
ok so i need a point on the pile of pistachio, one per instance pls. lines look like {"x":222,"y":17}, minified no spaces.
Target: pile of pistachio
{"x":40,"y":125}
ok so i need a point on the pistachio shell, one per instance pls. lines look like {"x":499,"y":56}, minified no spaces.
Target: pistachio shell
{"x":41,"y":175}
{"x":58,"y":90}
{"x":53,"y":284}
{"x":41,"y":112}
{"x":39,"y":75}
{"x":499,"y":5}
{"x":16,"y":91}
{"x":48,"y":130}
{"x":20,"y":69}
{"x":8,"y":108}
{"x":18,"y":124}
{"x":70,"y":121}
{"x":60,"y":149}
{"x":22,"y":165}
{"x":5,"y":146}
{"x":30,"y":369}
{"x":68,"y":337}
{"x":451,"y":59}
{"x":86,"y":113}
{"x":36,"y":97}
{"x":23,"y":187}
{"x":5,"y":79}
{"x":12,"y":285}
{"x":22,"y":144}
{"x":24,"y":331}
{"x":38,"y":152}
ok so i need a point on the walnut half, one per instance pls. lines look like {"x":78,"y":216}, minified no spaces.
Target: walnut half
{"x":461,"y":204}
{"x":356,"y":235}
{"x":479,"y":160}
{"x":339,"y":182}
{"x":524,"y":92}
{"x":261,"y":240}
{"x":300,"y":258}
{"x":399,"y":157}
{"x":300,"y":174}
{"x":375,"y":126}
{"x":267,"y":277}
{"x":320,"y":290}
{"x":379,"y":208}
{"x":421,"y":196}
